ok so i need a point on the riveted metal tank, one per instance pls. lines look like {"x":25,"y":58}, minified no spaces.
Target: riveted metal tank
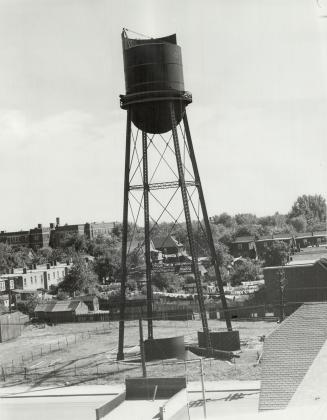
{"x":153,"y":78}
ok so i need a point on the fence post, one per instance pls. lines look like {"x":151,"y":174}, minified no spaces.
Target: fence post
{"x":25,"y":373}
{"x":3,"y":374}
{"x":142,"y":348}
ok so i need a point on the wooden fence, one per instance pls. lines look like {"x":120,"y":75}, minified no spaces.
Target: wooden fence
{"x":11,"y":325}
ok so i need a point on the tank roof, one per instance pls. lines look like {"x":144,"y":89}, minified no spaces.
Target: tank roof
{"x":134,"y":42}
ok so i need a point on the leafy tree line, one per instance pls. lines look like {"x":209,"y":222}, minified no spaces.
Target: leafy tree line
{"x":307,"y":213}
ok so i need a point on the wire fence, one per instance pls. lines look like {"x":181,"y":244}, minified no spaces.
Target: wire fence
{"x":100,"y":371}
{"x":23,"y":357}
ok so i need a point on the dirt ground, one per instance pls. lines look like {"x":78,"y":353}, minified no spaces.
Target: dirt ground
{"x":79,"y":353}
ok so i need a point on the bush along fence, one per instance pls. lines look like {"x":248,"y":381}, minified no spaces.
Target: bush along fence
{"x":19,"y":364}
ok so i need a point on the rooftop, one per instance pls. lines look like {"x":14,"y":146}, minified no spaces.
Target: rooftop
{"x":292,"y":354}
{"x":241,"y":239}
{"x":58,"y":306}
{"x":167,"y":242}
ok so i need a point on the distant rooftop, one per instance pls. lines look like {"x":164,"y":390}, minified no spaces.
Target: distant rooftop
{"x":242,"y":239}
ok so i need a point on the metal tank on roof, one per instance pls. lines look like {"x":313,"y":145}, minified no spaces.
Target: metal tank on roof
{"x":153,"y":77}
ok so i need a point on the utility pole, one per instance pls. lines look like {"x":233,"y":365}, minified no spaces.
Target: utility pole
{"x":203,"y":390}
{"x":282,"y":285}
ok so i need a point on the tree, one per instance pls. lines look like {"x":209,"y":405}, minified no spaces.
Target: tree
{"x":161,"y":280}
{"x":299,"y":223}
{"x":276,"y":254}
{"x":244,"y":270}
{"x":246,"y":219}
{"x":74,"y":241}
{"x":311,"y":207}
{"x":223,"y":256}
{"x":13,"y":258}
{"x":223,"y":219}
{"x":80,"y":279}
{"x":249,"y":230}
{"x":28,"y":306}
{"x":166,"y":281}
{"x":266,"y":221}
{"x":107,"y":256}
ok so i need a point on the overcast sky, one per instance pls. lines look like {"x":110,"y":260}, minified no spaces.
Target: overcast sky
{"x":256,"y":69}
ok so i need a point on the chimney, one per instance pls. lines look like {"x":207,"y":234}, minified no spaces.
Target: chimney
{"x":39,"y":226}
{"x":57,"y":221}
{"x":51,"y":225}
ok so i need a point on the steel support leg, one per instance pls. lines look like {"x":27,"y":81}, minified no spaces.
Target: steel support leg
{"x":207,"y":224}
{"x":147,"y":234}
{"x":120,"y":354}
{"x":190,"y":229}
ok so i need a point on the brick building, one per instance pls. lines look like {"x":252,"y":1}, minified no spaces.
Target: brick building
{"x":294,"y":360}
{"x":92,"y":230}
{"x":39,"y":237}
{"x":54,"y":234}
{"x":20,"y":238}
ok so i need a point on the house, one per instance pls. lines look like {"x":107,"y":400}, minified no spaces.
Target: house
{"x":304,"y":282}
{"x":20,"y":295}
{"x":266,"y":241}
{"x":91,"y":301}
{"x":244,"y":246}
{"x":60,"y":311}
{"x":169,"y":246}
{"x":36,"y":277}
{"x":294,"y":362}
{"x":305,"y":239}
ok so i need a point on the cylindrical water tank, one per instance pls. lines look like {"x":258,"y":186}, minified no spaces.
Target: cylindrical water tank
{"x":153,"y":78}
{"x":164,"y":348}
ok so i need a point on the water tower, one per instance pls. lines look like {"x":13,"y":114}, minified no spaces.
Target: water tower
{"x":156,"y":102}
